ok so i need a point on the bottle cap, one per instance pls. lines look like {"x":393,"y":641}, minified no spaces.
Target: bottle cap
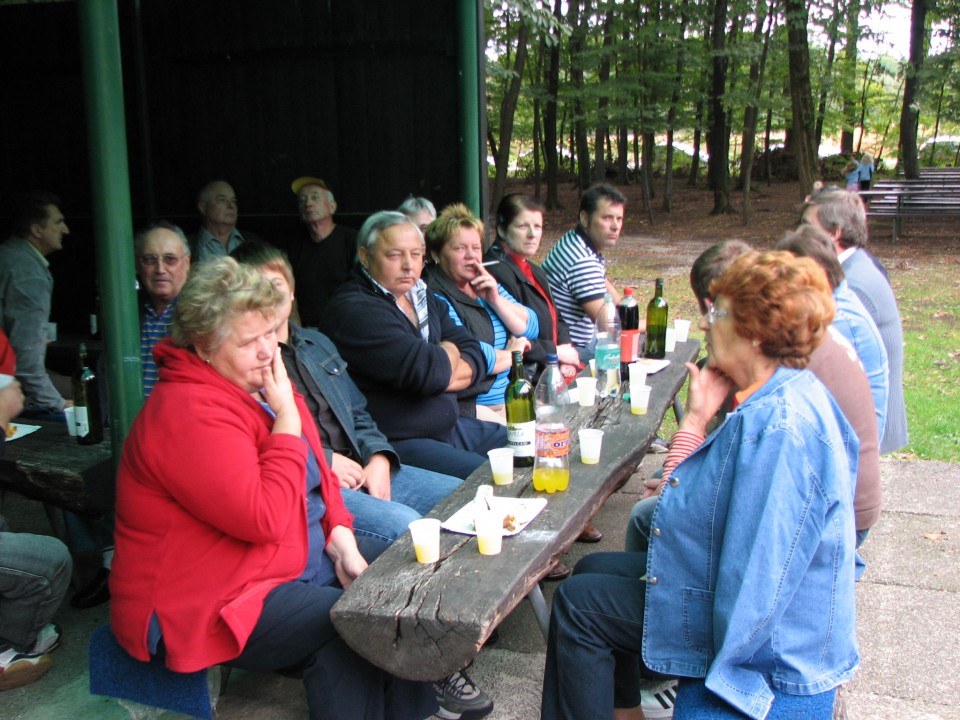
{"x":551,"y":358}
{"x":628,"y":291}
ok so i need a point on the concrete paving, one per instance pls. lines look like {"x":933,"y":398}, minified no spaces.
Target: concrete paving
{"x":908,"y":605}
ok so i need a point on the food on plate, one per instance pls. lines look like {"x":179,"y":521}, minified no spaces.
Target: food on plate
{"x":509,"y":523}
{"x":11,"y":430}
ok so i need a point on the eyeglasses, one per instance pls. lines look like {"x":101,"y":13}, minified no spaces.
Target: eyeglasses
{"x":169,"y":261}
{"x":713,"y":313}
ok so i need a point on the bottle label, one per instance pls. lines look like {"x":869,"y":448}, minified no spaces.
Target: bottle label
{"x":608,"y":357}
{"x":553,"y":443}
{"x":522,"y":438}
{"x":81,"y":420}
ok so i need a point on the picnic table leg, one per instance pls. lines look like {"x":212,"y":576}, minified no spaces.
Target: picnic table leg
{"x":540,"y":609}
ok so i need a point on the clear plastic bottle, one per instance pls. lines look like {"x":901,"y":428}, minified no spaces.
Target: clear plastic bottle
{"x":607,"y":352}
{"x":551,"y":467}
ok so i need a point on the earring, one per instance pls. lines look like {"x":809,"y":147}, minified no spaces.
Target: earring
{"x":756,"y":343}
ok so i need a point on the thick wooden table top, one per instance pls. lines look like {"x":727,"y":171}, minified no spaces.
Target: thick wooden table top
{"x":424,"y":622}
{"x":50,"y":466}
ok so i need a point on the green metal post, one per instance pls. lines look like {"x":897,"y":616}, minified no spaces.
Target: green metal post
{"x":112,"y":217}
{"x":471,"y":141}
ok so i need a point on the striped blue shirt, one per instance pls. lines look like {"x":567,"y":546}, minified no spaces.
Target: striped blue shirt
{"x":153,"y":328}
{"x":577,"y":275}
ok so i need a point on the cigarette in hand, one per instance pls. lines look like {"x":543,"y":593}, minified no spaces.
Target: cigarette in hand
{"x":488,"y":263}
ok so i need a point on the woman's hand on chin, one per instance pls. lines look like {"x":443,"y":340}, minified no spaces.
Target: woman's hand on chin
{"x":278,"y":392}
{"x":709,"y":389}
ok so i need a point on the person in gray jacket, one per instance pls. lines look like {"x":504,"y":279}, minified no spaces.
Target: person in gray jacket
{"x":26,"y":287}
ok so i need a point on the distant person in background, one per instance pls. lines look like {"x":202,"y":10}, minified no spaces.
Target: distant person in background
{"x":851,"y":175}
{"x":163,"y":263}
{"x":866,"y":171}
{"x":26,"y":288}
{"x":322,"y":261}
{"x":577,"y":268}
{"x":34,"y":572}
{"x":218,"y":235}
{"x":842,"y":217}
{"x":420,"y":210}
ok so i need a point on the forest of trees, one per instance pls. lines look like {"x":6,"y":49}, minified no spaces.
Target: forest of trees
{"x":716,"y":92}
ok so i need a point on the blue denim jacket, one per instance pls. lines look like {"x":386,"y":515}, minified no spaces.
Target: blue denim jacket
{"x":751,"y":559}
{"x":321,"y":361}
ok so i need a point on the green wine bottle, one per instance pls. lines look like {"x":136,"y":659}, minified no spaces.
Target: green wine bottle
{"x":521,"y":420}
{"x":656,"y":346}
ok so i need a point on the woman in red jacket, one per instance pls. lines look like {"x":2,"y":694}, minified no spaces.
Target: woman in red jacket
{"x":232,"y":541}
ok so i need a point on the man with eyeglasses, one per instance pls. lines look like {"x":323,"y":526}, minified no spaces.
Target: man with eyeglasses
{"x":324,"y":259}
{"x":163,"y":263}
{"x":26,"y":287}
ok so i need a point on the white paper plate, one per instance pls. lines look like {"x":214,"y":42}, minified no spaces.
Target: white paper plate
{"x":652,"y":366}
{"x":20,"y":430}
{"x":523,"y":509}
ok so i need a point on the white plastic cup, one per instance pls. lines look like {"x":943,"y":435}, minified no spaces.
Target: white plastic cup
{"x":426,"y":539}
{"x":489,"y":527}
{"x":51,"y":332}
{"x":587,"y":391}
{"x":671,"y":343}
{"x":639,"y":399}
{"x":683,"y":330}
{"x":590,"y":442}
{"x":501,"y":465}
{"x":71,"y":415}
{"x":638,"y":376}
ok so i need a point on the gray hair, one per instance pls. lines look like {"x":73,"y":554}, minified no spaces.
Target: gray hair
{"x":413,"y":205}
{"x":141,"y":237}
{"x":377,"y":223}
{"x":214,"y":294}
{"x":841,"y":210}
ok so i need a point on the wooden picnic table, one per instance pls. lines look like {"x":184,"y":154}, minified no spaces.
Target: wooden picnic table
{"x":898,"y":199}
{"x":425,"y":621}
{"x":50,"y":466}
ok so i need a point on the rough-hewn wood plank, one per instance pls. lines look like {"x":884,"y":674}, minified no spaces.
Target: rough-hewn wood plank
{"x":426,"y":621}
{"x":50,"y":466}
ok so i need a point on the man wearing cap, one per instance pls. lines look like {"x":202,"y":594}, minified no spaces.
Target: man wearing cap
{"x":323,"y":260}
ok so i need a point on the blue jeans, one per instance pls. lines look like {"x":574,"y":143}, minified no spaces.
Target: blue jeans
{"x":596,"y":632}
{"x":413,"y":491}
{"x":294,"y":630}
{"x":34,"y":576}
{"x":464,"y":451}
{"x":638,"y":525}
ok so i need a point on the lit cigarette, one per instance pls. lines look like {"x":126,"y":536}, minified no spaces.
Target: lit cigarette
{"x":488,"y":263}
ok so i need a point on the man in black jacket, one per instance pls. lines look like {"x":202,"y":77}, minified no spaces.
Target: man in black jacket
{"x":405,"y":353}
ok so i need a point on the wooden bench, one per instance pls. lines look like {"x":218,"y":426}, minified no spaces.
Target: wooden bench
{"x":424,"y":622}
{"x":931,"y":196}
{"x":50,"y":466}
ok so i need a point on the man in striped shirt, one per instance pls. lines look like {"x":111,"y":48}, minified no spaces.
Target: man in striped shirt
{"x":576,"y":268}
{"x":163,"y":263}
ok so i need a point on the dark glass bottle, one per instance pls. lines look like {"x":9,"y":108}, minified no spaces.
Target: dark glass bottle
{"x":521,"y":420}
{"x":86,"y":402}
{"x":657,"y":309}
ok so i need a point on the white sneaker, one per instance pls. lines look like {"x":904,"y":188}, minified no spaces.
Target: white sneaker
{"x":657,"y":701}
{"x":48,"y":639}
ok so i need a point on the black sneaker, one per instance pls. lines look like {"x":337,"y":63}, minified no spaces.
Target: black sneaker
{"x":460,"y":698}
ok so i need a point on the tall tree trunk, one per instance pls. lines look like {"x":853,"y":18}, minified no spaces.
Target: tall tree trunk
{"x":801,"y":100}
{"x":751,"y":112}
{"x":832,"y":37}
{"x":508,"y":109}
{"x":718,"y":137}
{"x":850,"y":55}
{"x":581,"y":148}
{"x":672,"y":112}
{"x":550,"y":144}
{"x":623,"y":155}
{"x":910,"y":114}
{"x":600,"y":166}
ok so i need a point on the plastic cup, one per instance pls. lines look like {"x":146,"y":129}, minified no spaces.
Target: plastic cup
{"x":501,"y":465}
{"x":590,"y":441}
{"x":639,"y":399}
{"x":489,"y":527}
{"x":671,"y":344}
{"x":51,"y":332}
{"x":638,"y":376}
{"x":587,"y":391}
{"x":71,"y":415}
{"x":683,"y":329}
{"x":426,"y":539}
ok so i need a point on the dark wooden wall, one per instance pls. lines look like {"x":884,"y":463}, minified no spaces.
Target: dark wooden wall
{"x":362,"y":93}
